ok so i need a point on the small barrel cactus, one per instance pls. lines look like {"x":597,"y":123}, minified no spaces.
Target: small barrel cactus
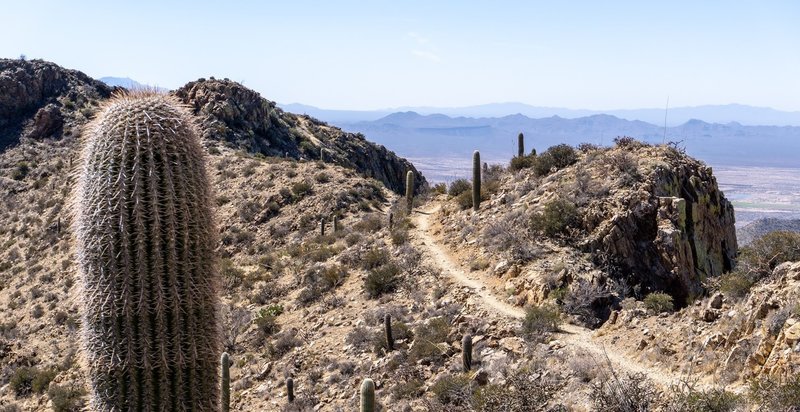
{"x":466,"y":352}
{"x":521,"y":145}
{"x":290,"y":389}
{"x":476,"y":180}
{"x":410,"y":191}
{"x":368,"y":395}
{"x":225,"y":366}
{"x":146,"y":241}
{"x":387,"y":325}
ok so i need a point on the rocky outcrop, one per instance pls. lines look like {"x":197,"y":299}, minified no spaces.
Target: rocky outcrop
{"x":670,"y":232}
{"x":38,"y":99}
{"x":239,"y":116}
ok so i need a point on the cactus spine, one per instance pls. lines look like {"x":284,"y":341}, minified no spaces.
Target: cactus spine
{"x":466,"y":352}
{"x":368,"y":395}
{"x":410,"y":190}
{"x":476,"y":180}
{"x":387,"y":325}
{"x":290,"y":389}
{"x":225,"y":365}
{"x":145,"y":242}
{"x":521,"y":145}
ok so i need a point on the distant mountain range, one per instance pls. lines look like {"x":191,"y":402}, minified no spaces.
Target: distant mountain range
{"x":428,"y":136}
{"x":127,"y":83}
{"x":743,"y":114}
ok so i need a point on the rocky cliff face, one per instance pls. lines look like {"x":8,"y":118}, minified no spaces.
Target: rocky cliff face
{"x":241,"y":117}
{"x":671,"y":232}
{"x":41,"y":99}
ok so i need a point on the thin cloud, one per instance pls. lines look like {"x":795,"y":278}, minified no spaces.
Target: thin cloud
{"x":427,"y":55}
{"x":419,"y":38}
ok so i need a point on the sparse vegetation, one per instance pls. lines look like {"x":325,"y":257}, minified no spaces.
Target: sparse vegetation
{"x":558,"y":216}
{"x":539,"y":321}
{"x":659,"y":302}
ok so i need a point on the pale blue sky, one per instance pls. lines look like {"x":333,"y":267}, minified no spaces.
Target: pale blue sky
{"x":379,"y":54}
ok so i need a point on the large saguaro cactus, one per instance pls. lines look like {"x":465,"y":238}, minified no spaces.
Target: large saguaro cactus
{"x":225,"y":372}
{"x":476,"y":180}
{"x":466,"y":352}
{"x":521,"y":145}
{"x":145,"y":250}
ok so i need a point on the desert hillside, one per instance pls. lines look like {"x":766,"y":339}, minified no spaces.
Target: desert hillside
{"x":587,"y":279}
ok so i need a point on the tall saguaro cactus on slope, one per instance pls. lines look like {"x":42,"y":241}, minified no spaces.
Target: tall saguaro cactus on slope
{"x":476,"y":180}
{"x":145,"y":247}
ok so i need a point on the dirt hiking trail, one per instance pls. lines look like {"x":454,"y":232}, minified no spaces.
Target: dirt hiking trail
{"x":570,"y":335}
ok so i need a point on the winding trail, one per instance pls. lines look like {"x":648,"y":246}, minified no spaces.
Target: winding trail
{"x":569,"y":335}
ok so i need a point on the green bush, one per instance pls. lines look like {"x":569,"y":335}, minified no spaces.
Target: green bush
{"x":659,"y":302}
{"x":66,"y":398}
{"x":735,"y":284}
{"x":265,"y":322}
{"x":540,"y":320}
{"x":427,"y":336}
{"x":558,"y":216}
{"x":300,"y":189}
{"x":563,"y":155}
{"x":759,"y":258}
{"x":773,"y":395}
{"x":452,"y":389}
{"x":439,"y":188}
{"x":26,"y":380}
{"x":458,"y":187}
{"x":382,"y":279}
{"x":685,"y":398}
{"x":524,"y":162}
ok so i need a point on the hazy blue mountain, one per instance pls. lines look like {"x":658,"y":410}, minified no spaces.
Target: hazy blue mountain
{"x":746,"y":115}
{"x":334,"y":115}
{"x":127,"y":83}
{"x":414,"y":135}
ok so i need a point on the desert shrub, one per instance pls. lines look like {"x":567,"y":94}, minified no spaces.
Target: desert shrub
{"x":439,"y":188}
{"x":558,"y":216}
{"x":587,"y":147}
{"x":523,"y":162}
{"x":265,"y":323}
{"x":464,"y":200}
{"x":427,"y":336}
{"x":760,"y":257}
{"x":399,"y":236}
{"x":322,"y":177}
{"x":20,"y":171}
{"x":588,"y":302}
{"x":540,"y":320}
{"x":301,"y":189}
{"x":773,"y":395}
{"x":371,"y":223}
{"x":735,"y":284}
{"x":659,"y":302}
{"x":25,"y":380}
{"x":66,"y":398}
{"x":563,"y":155}
{"x":685,"y":398}
{"x":373,"y":258}
{"x":458,"y":187}
{"x":382,"y":279}
{"x":360,"y":337}
{"x":10,"y":407}
{"x":526,"y":390}
{"x":452,"y":389}
{"x":283,"y":343}
{"x":630,"y":393}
